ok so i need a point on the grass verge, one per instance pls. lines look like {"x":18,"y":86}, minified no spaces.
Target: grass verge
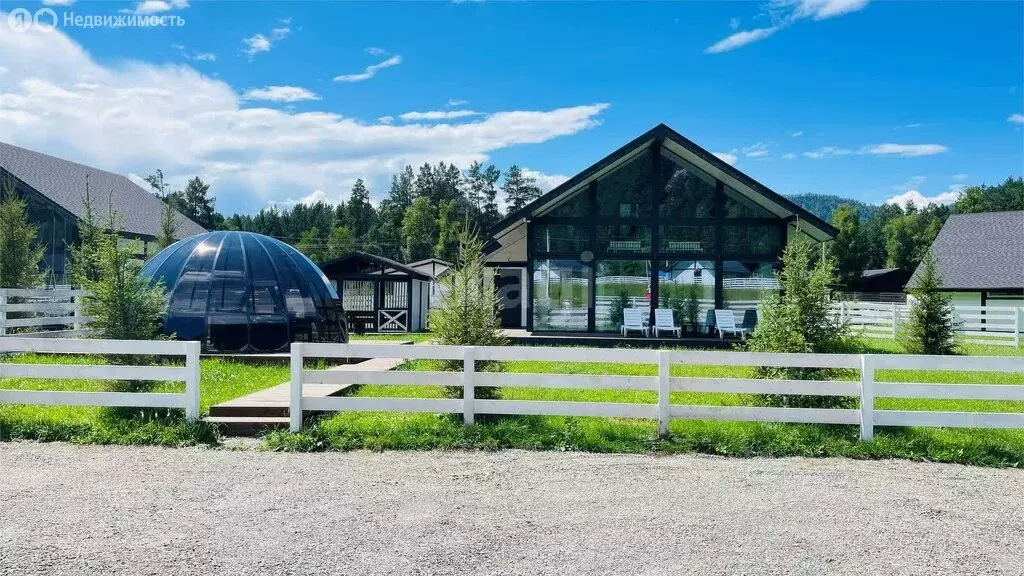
{"x":221,"y":380}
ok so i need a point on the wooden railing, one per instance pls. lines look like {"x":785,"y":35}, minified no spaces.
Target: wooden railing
{"x":49,"y":313}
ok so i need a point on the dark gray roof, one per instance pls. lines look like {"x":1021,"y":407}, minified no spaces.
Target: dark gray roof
{"x":63,"y":182}
{"x":982,"y":251}
{"x":877,"y":272}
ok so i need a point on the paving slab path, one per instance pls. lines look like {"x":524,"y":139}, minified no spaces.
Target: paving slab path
{"x":87,"y":510}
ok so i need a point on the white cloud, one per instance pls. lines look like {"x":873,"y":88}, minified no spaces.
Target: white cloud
{"x":370,"y":71}
{"x":758,"y":150}
{"x":127,"y":117}
{"x":545,"y":181}
{"x":280,"y":94}
{"x":734,"y":23}
{"x":58,"y":2}
{"x":784,"y":13}
{"x":797,"y":134}
{"x":260,"y":43}
{"x":959,"y":177}
{"x":739,"y":39}
{"x":726,"y":157}
{"x":386,"y":119}
{"x":199,"y":56}
{"x":788,"y":156}
{"x":904,"y":150}
{"x":454,"y":102}
{"x":156,"y":6}
{"x":911,"y":184}
{"x":374,"y":51}
{"x":920,"y":200}
{"x":438,"y":115}
{"x":255,"y":44}
{"x":1016,"y":118}
{"x":827,"y":151}
{"x":205,"y":56}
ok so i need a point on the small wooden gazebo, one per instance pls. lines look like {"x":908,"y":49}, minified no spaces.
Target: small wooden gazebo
{"x":379,"y":294}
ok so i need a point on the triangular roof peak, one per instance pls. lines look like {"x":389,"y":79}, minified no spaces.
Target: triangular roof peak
{"x":674,"y":142}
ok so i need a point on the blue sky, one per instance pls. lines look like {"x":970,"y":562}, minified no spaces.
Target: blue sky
{"x":278,"y":102}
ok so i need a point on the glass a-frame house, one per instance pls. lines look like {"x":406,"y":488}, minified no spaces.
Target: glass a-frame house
{"x":660,"y":222}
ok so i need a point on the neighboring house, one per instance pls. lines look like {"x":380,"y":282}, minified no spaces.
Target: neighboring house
{"x":437,"y":269}
{"x":379,"y":294}
{"x":54,"y":189}
{"x":659,"y":204}
{"x":881,"y":281}
{"x":980,"y":259}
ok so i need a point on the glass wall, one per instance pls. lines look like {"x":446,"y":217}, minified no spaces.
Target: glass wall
{"x":561,"y":295}
{"x":620,"y":284}
{"x":687,"y":287}
{"x":658,"y":228}
{"x":744,"y":284}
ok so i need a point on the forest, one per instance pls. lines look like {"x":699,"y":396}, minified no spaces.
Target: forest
{"x":423,"y":210}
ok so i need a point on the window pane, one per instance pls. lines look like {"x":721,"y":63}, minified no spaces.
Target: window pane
{"x":624,"y":238}
{"x":688,"y":239}
{"x":577,"y":206}
{"x":756,"y":240}
{"x":744,"y":284}
{"x":688,"y":288}
{"x":561,"y":295}
{"x":626,"y":192}
{"x":686,"y":191}
{"x":620,"y":284}
{"x":564,"y":238}
{"x":739,"y":206}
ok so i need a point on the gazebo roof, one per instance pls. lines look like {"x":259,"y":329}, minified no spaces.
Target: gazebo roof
{"x":359,"y":263}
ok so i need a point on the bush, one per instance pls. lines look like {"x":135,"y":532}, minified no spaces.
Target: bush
{"x":620,"y":303}
{"x":931,"y":328}
{"x":467,"y":314}
{"x":798,"y":318}
{"x":20,"y":251}
{"x":122,"y":303}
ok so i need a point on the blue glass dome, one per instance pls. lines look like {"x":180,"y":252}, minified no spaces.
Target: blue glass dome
{"x":245,"y":292}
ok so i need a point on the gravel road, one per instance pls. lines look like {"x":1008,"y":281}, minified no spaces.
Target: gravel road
{"x":116,"y":510}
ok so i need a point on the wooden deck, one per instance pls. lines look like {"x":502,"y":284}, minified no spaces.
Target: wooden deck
{"x":612,"y":340}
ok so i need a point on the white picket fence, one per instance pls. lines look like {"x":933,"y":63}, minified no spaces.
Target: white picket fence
{"x":999,"y":325}
{"x":44,"y":308}
{"x":189,"y":373}
{"x":866,"y":388}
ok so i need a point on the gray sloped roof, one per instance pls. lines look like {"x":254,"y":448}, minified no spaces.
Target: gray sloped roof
{"x":982,"y":251}
{"x":63,"y":182}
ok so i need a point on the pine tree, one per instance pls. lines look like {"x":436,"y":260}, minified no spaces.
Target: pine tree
{"x":449,"y":230}
{"x":360,"y":212}
{"x":468,"y":312}
{"x":419,"y":230}
{"x":168,"y":228}
{"x":199,"y":205}
{"x":847,"y":248}
{"x":931,"y":328}
{"x":83,"y":257}
{"x":20,"y":251}
{"x":519,"y":189}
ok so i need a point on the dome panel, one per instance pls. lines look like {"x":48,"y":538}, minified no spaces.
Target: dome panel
{"x":245,"y":292}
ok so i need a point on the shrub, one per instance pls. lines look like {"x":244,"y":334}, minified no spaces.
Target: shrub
{"x":931,"y":328}
{"x":691,"y":307}
{"x":798,"y":318}
{"x":620,"y":303}
{"x":468,"y":313}
{"x":20,"y":251}
{"x":122,"y":303}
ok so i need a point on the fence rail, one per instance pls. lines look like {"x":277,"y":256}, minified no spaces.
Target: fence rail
{"x":999,"y":325}
{"x":56,"y":309}
{"x":189,"y":373}
{"x":866,"y":387}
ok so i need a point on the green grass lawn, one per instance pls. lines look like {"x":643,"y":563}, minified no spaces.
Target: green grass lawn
{"x":221,"y":380}
{"x":344,"y":431}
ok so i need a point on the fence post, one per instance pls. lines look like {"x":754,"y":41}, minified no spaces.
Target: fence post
{"x":664,"y":366}
{"x":295,"y":389}
{"x":77,"y":311}
{"x":468,"y":391}
{"x":1017,"y":313}
{"x":895,"y":320}
{"x":867,"y":397}
{"x":842,"y":312}
{"x":192,"y":376}
{"x":3,"y":311}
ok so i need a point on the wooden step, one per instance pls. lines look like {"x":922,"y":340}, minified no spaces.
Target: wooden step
{"x":247,"y":425}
